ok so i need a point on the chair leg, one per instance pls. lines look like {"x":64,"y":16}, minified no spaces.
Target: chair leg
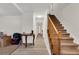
{"x":33,"y":39}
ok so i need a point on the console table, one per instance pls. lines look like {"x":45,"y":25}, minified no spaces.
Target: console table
{"x":26,"y":35}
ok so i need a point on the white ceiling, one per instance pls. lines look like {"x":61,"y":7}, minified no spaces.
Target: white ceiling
{"x":8,"y":9}
{"x":34,"y":6}
{"x":16,"y":9}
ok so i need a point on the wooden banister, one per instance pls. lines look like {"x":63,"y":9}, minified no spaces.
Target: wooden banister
{"x":54,"y":37}
{"x":53,"y":25}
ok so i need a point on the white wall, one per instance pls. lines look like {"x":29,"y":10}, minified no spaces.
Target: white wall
{"x":45,"y":34}
{"x":27,"y":23}
{"x":34,"y":25}
{"x":68,"y":14}
{"x":10,"y":24}
{"x":71,"y":15}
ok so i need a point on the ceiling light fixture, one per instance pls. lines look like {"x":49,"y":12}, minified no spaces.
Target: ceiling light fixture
{"x":39,"y":16}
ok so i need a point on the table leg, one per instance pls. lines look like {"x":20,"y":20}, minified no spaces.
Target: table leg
{"x":33,"y":39}
{"x":26,"y":41}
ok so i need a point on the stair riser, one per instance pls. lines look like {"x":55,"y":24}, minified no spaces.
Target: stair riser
{"x":60,"y":27}
{"x":58,"y":24}
{"x":69,"y":54}
{"x":66,"y":41}
{"x":69,"y":47}
{"x":55,"y":20}
{"x":63,"y":31}
{"x":65,"y":35}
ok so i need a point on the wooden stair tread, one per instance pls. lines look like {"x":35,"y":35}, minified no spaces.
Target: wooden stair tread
{"x":60,"y":27}
{"x":70,"y":38}
{"x":65,"y":38}
{"x":58,"y":24}
{"x":62,"y":30}
{"x":69,"y":52}
{"x":69,"y":44}
{"x":65,"y":33}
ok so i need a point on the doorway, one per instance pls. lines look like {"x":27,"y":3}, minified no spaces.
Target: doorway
{"x":39,"y":26}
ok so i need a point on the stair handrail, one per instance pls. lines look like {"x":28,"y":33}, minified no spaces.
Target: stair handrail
{"x":54,"y":26}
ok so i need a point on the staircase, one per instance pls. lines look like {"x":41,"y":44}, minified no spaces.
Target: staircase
{"x":66,"y":44}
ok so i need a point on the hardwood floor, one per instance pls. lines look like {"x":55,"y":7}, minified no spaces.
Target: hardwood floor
{"x":38,"y":49}
{"x":8,"y":50}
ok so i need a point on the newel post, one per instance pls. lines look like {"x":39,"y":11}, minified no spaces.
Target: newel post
{"x":59,"y":41}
